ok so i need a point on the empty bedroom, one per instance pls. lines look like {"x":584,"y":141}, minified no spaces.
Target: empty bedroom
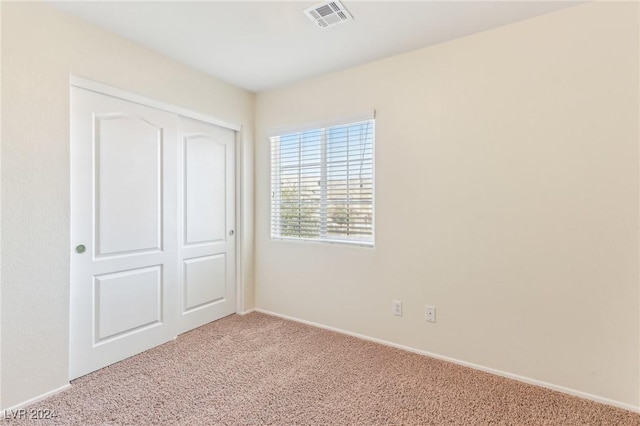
{"x":320,"y":213}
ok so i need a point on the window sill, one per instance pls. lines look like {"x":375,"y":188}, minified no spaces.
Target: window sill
{"x":329,"y":242}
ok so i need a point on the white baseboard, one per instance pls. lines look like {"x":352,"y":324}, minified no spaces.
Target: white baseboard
{"x":246,"y":312}
{"x":38,"y":398}
{"x":569,"y":391}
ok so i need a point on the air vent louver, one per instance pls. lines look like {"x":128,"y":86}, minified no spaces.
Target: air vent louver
{"x":328,"y":14}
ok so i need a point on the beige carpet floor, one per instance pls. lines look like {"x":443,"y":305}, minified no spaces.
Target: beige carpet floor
{"x":262,"y":370}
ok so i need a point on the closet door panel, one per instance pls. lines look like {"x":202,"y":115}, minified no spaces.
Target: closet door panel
{"x":207,"y":252}
{"x":124,"y":266}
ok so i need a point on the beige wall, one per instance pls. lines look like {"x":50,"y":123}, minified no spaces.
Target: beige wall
{"x":506,"y":195}
{"x":0,"y":204}
{"x":40,"y":48}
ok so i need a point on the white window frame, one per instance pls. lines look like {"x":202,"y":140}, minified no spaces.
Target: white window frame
{"x":323,"y":239}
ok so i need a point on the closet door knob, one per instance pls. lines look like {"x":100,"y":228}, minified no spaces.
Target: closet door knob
{"x":232,"y":232}
{"x":81,"y":249}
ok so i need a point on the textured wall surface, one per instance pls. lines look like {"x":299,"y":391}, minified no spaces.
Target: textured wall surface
{"x":506,"y":196}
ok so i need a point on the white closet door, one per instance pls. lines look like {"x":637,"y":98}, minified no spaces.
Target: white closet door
{"x":123,"y":229}
{"x":207,"y":223}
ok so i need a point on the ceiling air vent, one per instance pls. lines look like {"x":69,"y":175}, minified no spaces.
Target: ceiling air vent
{"x":328,"y":14}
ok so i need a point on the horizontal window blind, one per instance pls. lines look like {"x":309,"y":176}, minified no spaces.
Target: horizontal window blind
{"x":322,"y":183}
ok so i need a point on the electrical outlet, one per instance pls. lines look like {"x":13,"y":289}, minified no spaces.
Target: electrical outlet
{"x":430,"y":313}
{"x":396,"y":308}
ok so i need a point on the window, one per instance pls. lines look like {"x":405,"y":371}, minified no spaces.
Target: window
{"x":322,"y":184}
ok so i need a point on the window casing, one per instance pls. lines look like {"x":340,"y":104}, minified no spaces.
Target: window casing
{"x":322,"y":184}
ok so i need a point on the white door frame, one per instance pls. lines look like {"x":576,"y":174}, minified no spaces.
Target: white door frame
{"x":104,"y":89}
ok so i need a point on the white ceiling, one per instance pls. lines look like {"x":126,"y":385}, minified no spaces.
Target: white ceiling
{"x":262,"y":45}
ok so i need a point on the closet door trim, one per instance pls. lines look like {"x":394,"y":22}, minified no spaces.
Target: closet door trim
{"x":104,"y":89}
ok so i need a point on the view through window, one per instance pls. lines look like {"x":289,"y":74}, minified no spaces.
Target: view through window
{"x":322,"y":184}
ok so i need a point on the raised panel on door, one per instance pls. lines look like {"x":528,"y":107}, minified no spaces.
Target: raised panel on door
{"x":128,"y":184}
{"x":207,"y":216}
{"x":204,"y":189}
{"x":124,"y":213}
{"x":204,"y":281}
{"x":125,"y":302}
